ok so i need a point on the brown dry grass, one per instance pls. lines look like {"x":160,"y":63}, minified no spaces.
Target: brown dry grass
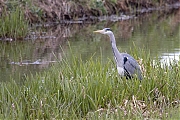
{"x":58,"y":10}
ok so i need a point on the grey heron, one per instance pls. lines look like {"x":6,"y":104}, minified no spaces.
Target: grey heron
{"x":126,"y":65}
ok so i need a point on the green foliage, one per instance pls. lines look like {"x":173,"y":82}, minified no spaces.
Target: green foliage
{"x":13,"y":25}
{"x":74,"y":89}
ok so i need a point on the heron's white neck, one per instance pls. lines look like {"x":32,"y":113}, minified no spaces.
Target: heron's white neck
{"x":113,"y":43}
{"x":117,"y":55}
{"x":112,"y":38}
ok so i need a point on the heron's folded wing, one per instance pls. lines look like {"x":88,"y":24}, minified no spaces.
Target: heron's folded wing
{"x":131,"y":65}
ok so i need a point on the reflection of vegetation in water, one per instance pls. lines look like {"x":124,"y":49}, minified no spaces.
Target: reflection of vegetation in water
{"x":13,"y":25}
{"x":159,"y":33}
{"x":11,"y":52}
{"x":73,"y":89}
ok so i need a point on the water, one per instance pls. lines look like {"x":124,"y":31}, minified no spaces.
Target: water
{"x":157,"y":33}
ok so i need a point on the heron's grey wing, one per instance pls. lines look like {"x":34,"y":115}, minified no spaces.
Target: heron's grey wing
{"x":131,"y":66}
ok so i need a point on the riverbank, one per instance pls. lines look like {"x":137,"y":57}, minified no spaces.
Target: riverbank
{"x":58,"y":11}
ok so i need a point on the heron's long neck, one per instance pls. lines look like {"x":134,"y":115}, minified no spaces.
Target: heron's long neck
{"x":113,"y":44}
{"x":116,"y":52}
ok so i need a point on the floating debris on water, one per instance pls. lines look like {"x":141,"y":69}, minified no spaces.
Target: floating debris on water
{"x":28,"y":62}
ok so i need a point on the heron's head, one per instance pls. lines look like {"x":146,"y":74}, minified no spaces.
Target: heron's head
{"x":104,"y":31}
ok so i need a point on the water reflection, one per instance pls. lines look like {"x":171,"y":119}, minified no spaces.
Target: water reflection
{"x":20,"y":58}
{"x":168,"y":58}
{"x":157,"y":32}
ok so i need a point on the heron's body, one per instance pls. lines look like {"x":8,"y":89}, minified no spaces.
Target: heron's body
{"x":126,"y":65}
{"x":130,"y":67}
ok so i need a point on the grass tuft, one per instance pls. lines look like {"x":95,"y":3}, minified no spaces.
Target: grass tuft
{"x":13,"y":25}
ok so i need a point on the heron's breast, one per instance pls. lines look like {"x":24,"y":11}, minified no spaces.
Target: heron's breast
{"x":120,"y":70}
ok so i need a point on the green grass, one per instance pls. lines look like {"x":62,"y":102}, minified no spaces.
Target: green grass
{"x":13,"y":25}
{"x":92,"y":89}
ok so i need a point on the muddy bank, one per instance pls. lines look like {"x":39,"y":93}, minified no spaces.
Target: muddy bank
{"x":80,"y":10}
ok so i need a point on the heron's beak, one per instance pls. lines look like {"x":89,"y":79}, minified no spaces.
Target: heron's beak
{"x":98,"y":31}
